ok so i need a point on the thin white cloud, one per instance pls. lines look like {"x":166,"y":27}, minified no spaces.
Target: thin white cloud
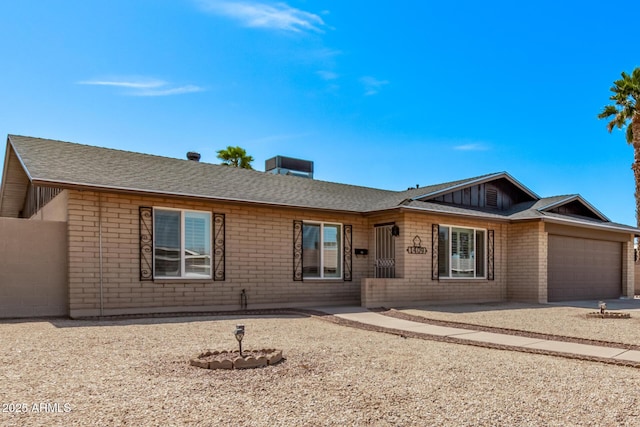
{"x":324,"y":54}
{"x":169,"y":91}
{"x":144,"y":86}
{"x":372,"y":85}
{"x":327,"y":75}
{"x":474,"y":146}
{"x":278,"y":16}
{"x":132,"y":84}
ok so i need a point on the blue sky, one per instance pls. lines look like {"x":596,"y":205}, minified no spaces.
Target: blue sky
{"x":381,"y":94}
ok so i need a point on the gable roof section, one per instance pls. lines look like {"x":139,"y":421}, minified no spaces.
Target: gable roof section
{"x":15,"y":183}
{"x":442,"y":189}
{"x":574,"y":199}
{"x":69,"y":165}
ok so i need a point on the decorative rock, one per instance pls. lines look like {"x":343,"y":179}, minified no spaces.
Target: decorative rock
{"x":249,"y":362}
{"x":221,"y":364}
{"x":609,"y":315}
{"x":232,"y":360}
{"x":274,"y":357}
{"x":200,"y":363}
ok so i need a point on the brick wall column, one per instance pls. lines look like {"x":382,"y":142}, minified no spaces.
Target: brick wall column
{"x":628,"y":269}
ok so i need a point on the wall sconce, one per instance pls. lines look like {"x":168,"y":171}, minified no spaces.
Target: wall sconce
{"x":395,"y":230}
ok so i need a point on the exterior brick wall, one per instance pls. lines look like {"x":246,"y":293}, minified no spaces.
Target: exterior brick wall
{"x":628,"y":269}
{"x":104,"y":262}
{"x":527,"y":260}
{"x":415,"y":285}
{"x":259,"y":259}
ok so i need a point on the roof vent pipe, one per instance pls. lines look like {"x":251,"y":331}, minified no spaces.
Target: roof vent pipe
{"x":192,"y":155}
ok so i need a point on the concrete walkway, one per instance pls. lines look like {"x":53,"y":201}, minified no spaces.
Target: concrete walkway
{"x":364,"y":316}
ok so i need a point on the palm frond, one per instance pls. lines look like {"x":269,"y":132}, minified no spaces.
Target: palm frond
{"x":608,"y":111}
{"x":625,"y":94}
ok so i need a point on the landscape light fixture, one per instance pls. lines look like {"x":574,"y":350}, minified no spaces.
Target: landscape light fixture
{"x":603,"y":306}
{"x":239,"y":333}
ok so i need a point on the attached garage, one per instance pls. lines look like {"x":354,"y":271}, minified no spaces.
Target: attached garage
{"x":583,"y":268}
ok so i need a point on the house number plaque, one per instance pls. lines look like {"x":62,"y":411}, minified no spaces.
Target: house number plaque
{"x":417,"y":248}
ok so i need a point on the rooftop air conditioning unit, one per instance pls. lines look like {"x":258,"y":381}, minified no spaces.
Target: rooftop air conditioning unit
{"x":289,"y":166}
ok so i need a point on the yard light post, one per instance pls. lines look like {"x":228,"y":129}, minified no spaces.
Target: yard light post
{"x":603,"y":306}
{"x":239,"y":333}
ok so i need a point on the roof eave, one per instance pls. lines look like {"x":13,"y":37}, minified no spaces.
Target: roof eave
{"x":24,"y":167}
{"x":3,"y":182}
{"x":479,"y":215}
{"x":605,"y":226}
{"x":125,"y":190}
{"x":5,"y":170}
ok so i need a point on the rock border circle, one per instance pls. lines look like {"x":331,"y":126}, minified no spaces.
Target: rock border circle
{"x":609,"y":315}
{"x":226,"y":359}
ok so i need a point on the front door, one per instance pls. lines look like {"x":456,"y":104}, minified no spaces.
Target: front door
{"x":385,"y":252}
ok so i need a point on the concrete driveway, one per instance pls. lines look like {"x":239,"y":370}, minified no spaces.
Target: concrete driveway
{"x":626,"y":304}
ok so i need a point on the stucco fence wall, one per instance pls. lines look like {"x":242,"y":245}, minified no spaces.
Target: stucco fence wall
{"x":33,"y":273}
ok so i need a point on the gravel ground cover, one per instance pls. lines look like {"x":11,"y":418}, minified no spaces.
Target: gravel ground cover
{"x":136,"y":372}
{"x":545,"y":319}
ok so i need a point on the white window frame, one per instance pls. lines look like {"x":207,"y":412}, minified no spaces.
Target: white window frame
{"x":340,"y":250}
{"x":475,"y":242}
{"x":184,"y":275}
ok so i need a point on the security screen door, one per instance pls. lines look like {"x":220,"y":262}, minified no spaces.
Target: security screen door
{"x":385,"y":252}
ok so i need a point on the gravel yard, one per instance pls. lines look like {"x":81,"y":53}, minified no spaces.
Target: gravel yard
{"x":546,"y":319}
{"x":136,"y":372}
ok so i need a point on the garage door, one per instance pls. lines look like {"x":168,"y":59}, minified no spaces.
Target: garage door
{"x":583,"y":269}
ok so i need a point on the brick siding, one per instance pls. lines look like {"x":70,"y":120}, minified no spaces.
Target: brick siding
{"x":414,"y":285}
{"x":259,"y":259}
{"x":527,"y":260}
{"x":105,"y":278}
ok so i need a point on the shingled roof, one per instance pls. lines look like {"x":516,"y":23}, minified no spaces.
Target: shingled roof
{"x":68,"y":165}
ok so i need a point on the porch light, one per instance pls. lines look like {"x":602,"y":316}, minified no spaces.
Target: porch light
{"x":239,"y":333}
{"x":395,"y":230}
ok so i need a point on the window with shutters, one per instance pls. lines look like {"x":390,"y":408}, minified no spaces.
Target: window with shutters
{"x":181,"y":244}
{"x":461,"y":252}
{"x":321,"y":250}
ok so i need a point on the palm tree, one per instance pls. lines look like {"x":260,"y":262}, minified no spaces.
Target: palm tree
{"x":626,"y":98}
{"x":236,"y":157}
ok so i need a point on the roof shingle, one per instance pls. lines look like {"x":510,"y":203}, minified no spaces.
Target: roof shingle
{"x":64,"y":164}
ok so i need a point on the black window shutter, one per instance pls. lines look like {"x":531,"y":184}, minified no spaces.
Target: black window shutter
{"x":146,"y":243}
{"x":435,"y":236}
{"x":219,"y":254}
{"x":297,"y":251}
{"x":490,"y":254}
{"x":347,"y":252}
